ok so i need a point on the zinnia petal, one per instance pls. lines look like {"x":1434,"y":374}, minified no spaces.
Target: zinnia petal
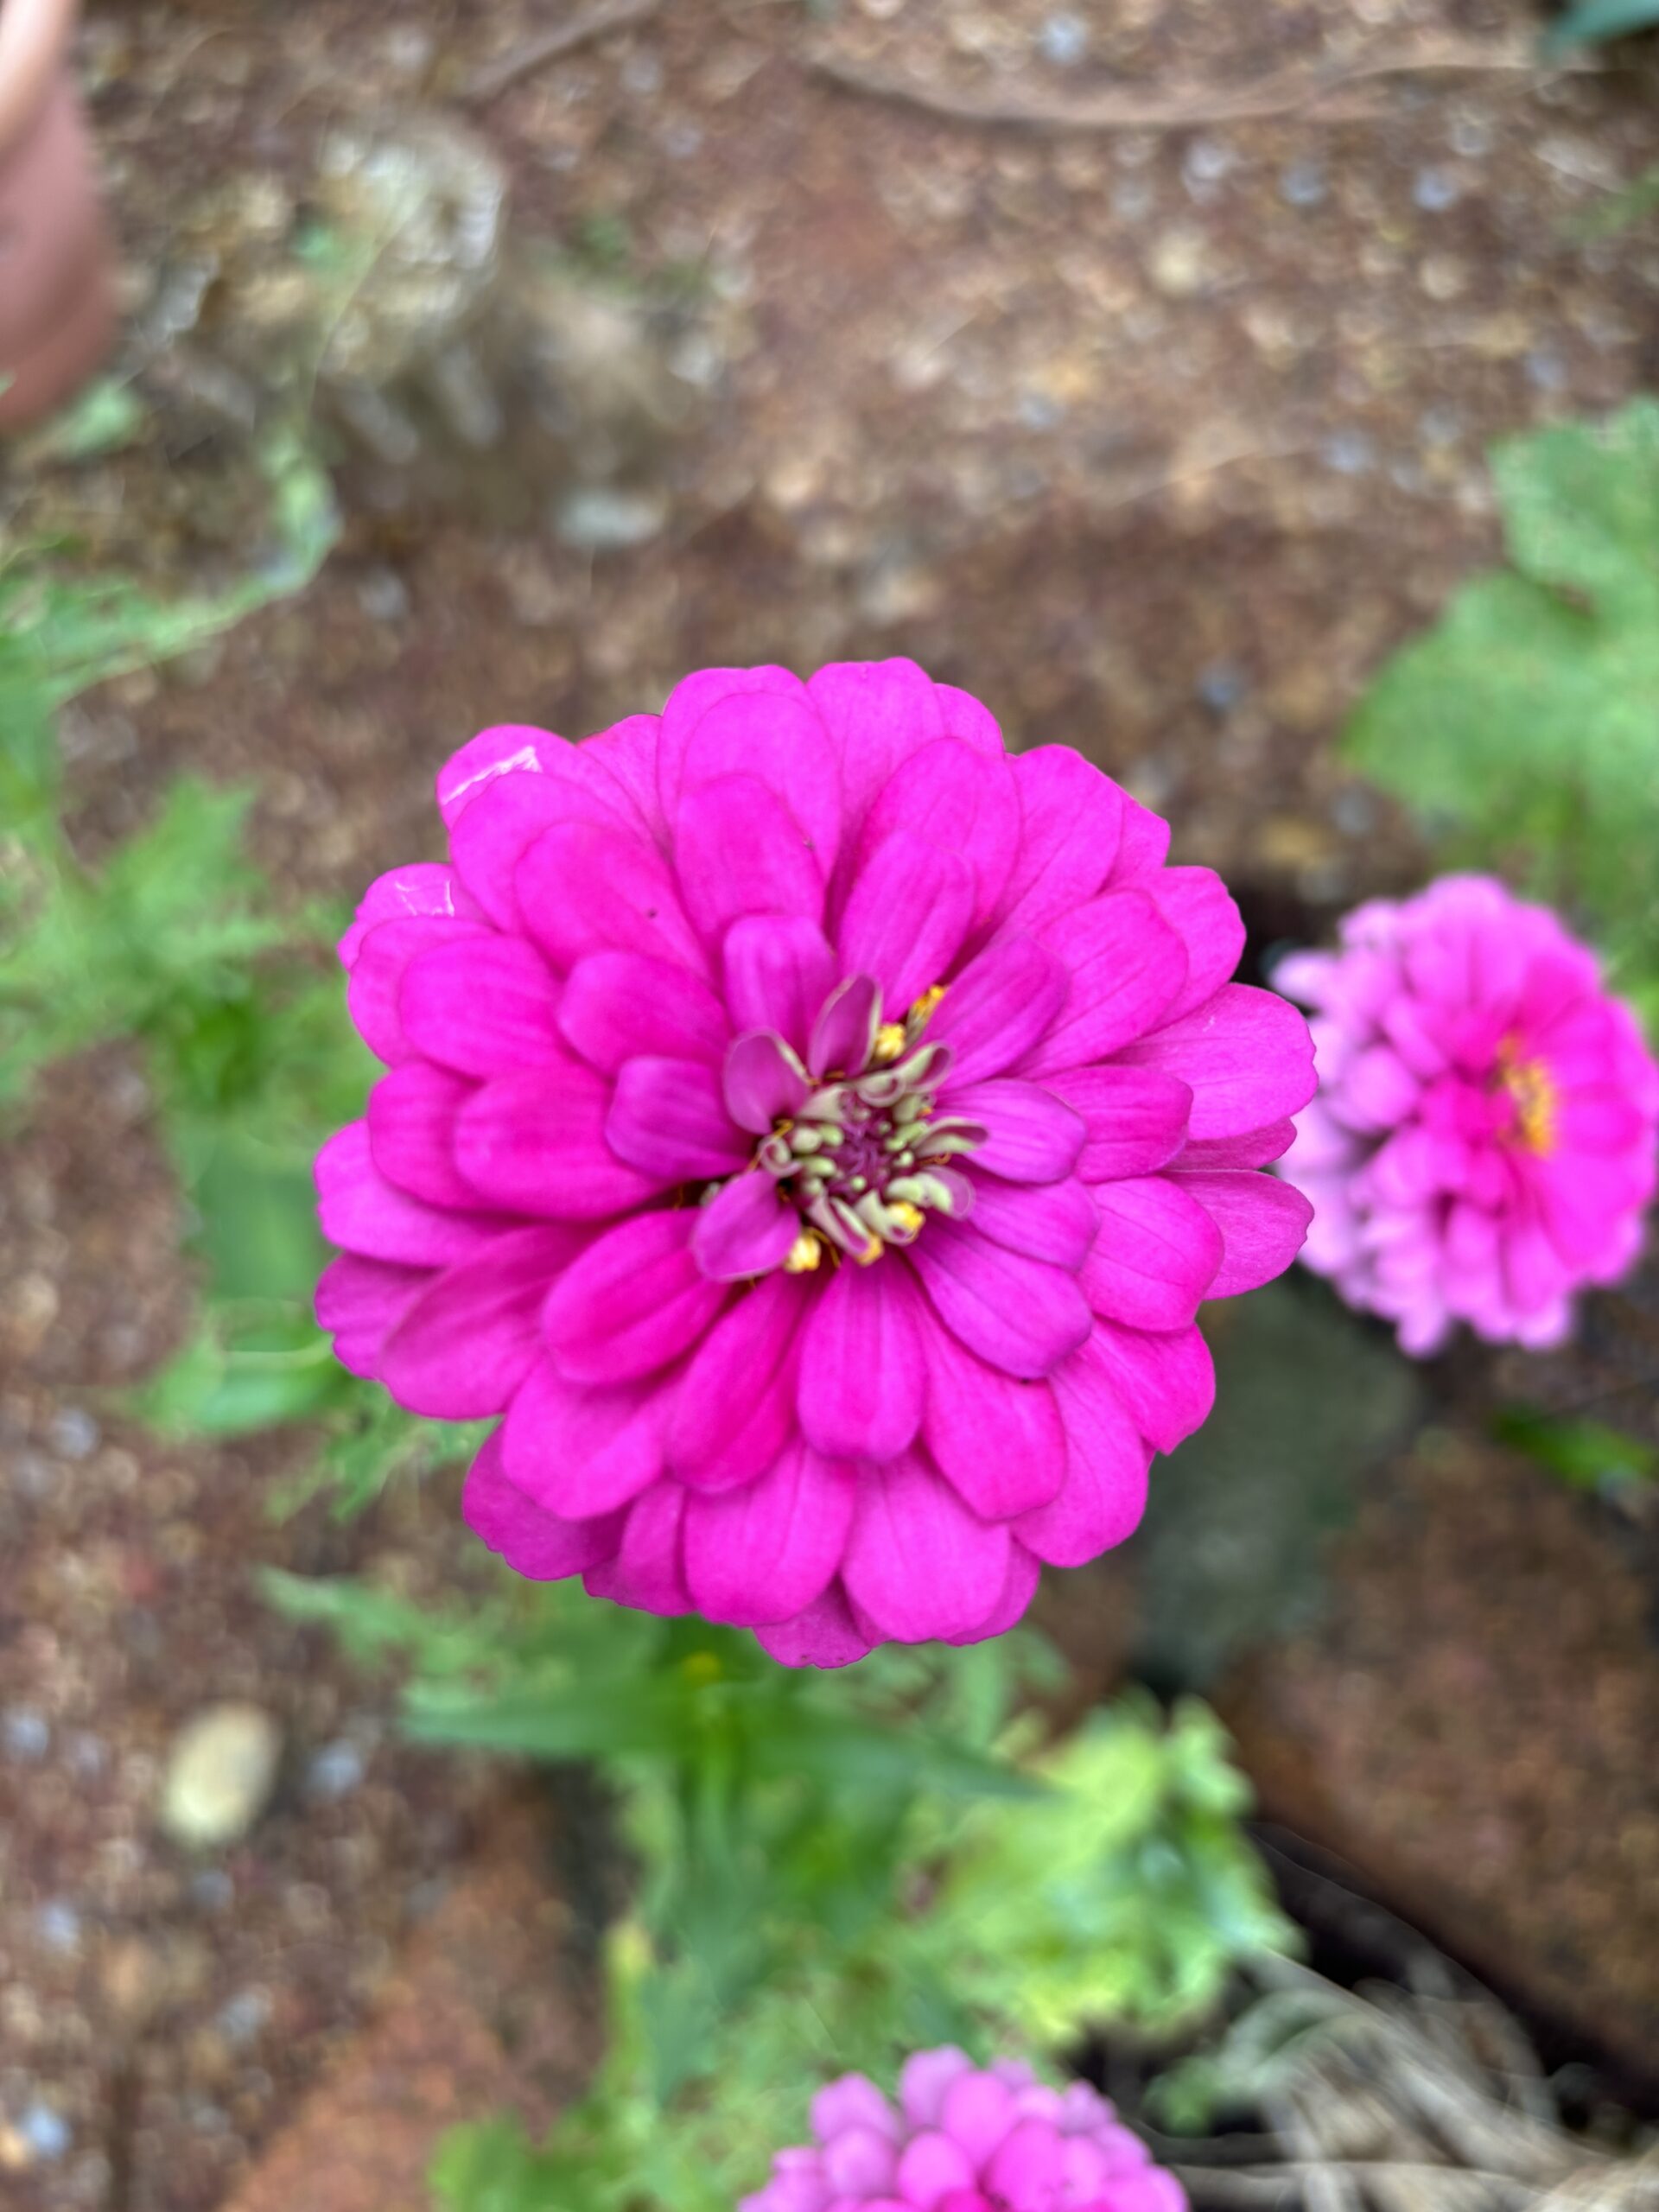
{"x":919,"y":1562}
{"x":760,"y":1555}
{"x":633,"y":1301}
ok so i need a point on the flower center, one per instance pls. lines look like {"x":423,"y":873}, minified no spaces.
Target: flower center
{"x":1533,"y":1097}
{"x":866,"y":1157}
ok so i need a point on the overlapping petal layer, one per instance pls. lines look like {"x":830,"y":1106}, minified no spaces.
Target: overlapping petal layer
{"x":813,"y":1129}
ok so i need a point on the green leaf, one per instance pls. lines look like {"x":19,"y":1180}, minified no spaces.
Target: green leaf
{"x":1586,"y":1455}
{"x":584,"y":1720}
{"x":1597,"y":21}
{"x":1524,"y":722}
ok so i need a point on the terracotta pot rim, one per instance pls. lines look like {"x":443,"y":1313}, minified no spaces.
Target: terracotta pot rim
{"x":34,"y":38}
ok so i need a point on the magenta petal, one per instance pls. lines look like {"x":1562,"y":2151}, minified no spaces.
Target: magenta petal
{"x":534,"y":1544}
{"x":1254,"y":1148}
{"x":919,"y":1562}
{"x":781,"y":741}
{"x":863,"y":1378}
{"x":1263,"y":1223}
{"x":424,"y":889}
{"x":634,"y":1300}
{"x":1125,"y":966}
{"x":1031,"y":1136}
{"x":1021,"y":1314}
{"x":907,"y":915}
{"x":760,"y":1555}
{"x":978,"y":2112}
{"x":507,"y":749}
{"x":1136,"y":1118}
{"x":1155,"y":1255}
{"x":963,"y":802}
{"x":1141,"y":847}
{"x":878,"y":713}
{"x":1166,"y":1382}
{"x":778,"y":968}
{"x":484,"y":1006}
{"x":997,"y":1441}
{"x":626,"y":755}
{"x":580,"y":1451}
{"x":998,"y":1008}
{"x":687,"y":704}
{"x":746,"y":1230}
{"x":1072,"y":816}
{"x":924,"y":2079}
{"x":762,"y":1081}
{"x":466,"y":1343}
{"x":845,"y":1030}
{"x":376,"y":979}
{"x":649,"y":1569}
{"x":412,"y":1115}
{"x":1047,"y":1221}
{"x":358,"y":1302}
{"x":1104,"y":1492}
{"x":1028,"y":2165}
{"x":932,"y":2165}
{"x":534,"y":1143}
{"x":583,"y":888}
{"x":497,"y":827}
{"x":1199,"y":908}
{"x":1019,"y":1588}
{"x":738,"y":850}
{"x":621,"y":1006}
{"x":1247,"y":1055}
{"x":824,"y":1634}
{"x":668,"y":1118}
{"x":362,"y":1212}
{"x":735,"y":1405}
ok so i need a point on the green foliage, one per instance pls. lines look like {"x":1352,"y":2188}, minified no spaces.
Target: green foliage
{"x":1592,"y":22}
{"x":1585,"y":1454}
{"x":1523,"y":723}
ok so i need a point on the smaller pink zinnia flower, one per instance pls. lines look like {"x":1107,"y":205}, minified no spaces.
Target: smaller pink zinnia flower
{"x":963,"y":2140}
{"x":1483,"y":1143}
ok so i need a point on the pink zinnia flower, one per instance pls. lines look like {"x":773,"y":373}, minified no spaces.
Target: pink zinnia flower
{"x":815,"y":1131}
{"x":1483,"y":1143}
{"x":963,"y":2140}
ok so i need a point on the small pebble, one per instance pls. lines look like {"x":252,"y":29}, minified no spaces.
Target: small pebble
{"x":59,"y":1926}
{"x":602,"y":518}
{"x":1207,"y":163}
{"x":1440,"y":426}
{"x":1221,"y":687}
{"x":1062,"y":40}
{"x":1470,"y":138}
{"x":1546,"y":372}
{"x":1354,"y":813}
{"x":25,"y":1732}
{"x":45,"y":2131}
{"x":335,"y":1771}
{"x":246,"y":2015}
{"x":1304,"y":184}
{"x":1434,"y":191}
{"x":383,"y":596}
{"x":221,"y":1773}
{"x":1351,"y":453}
{"x":212,"y":1890}
{"x":73,"y":1433}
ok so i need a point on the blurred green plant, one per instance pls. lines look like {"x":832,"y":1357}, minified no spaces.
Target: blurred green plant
{"x":1585,"y":1454}
{"x":832,"y":1868}
{"x":1592,"y":22}
{"x":1522,"y":725}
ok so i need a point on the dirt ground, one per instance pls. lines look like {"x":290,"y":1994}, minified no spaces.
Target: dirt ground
{"x":1157,"y":438}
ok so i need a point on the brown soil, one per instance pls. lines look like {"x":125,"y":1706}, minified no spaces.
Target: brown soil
{"x":1157,"y":440}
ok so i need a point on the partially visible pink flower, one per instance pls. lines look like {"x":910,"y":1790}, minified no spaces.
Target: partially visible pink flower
{"x":964,"y":2140}
{"x":1483,"y":1143}
{"x":815,"y":1131}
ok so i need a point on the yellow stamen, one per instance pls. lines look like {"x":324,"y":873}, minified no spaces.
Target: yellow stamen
{"x":1535,"y":1098}
{"x":922,"y":1011}
{"x":873,"y":1250}
{"x":907,"y":1215}
{"x":890,"y":1041}
{"x":805,"y":1254}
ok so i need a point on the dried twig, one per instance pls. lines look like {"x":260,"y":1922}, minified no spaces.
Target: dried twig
{"x":587,"y":24}
{"x":1301,"y":90}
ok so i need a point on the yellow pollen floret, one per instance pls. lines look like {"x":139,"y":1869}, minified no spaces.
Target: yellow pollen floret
{"x":920,"y":1013}
{"x":907,"y":1215}
{"x":873,"y":1250}
{"x":1532,"y":1090}
{"x":889,"y":1041}
{"x":805,"y":1254}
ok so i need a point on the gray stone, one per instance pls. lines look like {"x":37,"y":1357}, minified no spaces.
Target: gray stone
{"x":605,"y":518}
{"x":219,"y":1775}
